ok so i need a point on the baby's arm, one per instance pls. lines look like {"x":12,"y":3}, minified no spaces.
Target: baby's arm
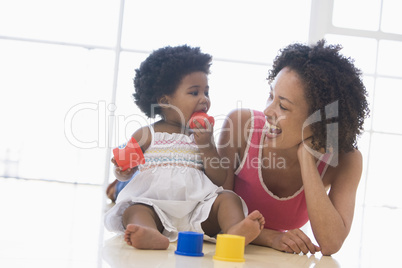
{"x":120,"y":174}
{"x":213,"y":165}
{"x":143,"y":137}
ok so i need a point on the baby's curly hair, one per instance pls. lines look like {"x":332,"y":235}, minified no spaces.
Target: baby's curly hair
{"x":331,"y":81}
{"x":161,"y":73}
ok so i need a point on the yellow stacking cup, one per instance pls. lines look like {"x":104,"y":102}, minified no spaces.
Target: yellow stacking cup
{"x":229,"y":248}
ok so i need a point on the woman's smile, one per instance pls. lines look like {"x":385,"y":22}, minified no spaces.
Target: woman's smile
{"x":273,"y":131}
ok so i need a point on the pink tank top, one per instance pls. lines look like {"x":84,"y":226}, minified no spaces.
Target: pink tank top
{"x":280,"y":213}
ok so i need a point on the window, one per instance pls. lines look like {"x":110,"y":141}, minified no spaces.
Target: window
{"x":372,"y":40}
{"x":67,"y":72}
{"x":370,"y":33}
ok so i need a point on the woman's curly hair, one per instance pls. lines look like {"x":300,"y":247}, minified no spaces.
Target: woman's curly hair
{"x":161,"y":73}
{"x":333,"y":86}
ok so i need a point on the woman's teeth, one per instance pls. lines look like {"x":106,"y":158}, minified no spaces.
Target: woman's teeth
{"x":274,"y":129}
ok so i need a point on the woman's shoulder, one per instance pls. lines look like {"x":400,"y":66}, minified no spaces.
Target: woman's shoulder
{"x":238,"y":119}
{"x":240,"y":113}
{"x":350,"y":159}
{"x":348,"y":166}
{"x":234,"y":133}
{"x":243,"y":117}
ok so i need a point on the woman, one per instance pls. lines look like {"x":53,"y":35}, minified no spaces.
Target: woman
{"x":298,"y":160}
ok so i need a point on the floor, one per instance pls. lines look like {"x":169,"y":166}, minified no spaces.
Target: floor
{"x":52,"y":224}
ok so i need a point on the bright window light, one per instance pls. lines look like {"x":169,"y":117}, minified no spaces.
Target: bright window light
{"x":391,"y":19}
{"x":357,"y":14}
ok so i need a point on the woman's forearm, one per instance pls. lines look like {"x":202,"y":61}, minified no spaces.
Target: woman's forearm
{"x":265,"y":238}
{"x":292,"y":241}
{"x":327,"y":224}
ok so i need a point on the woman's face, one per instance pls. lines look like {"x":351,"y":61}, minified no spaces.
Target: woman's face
{"x":286,"y":111}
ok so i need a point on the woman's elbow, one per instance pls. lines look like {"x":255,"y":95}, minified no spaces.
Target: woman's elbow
{"x":332,"y":242}
{"x":333,"y":247}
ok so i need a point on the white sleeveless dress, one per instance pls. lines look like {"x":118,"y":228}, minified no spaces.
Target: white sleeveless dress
{"x":173,"y":183}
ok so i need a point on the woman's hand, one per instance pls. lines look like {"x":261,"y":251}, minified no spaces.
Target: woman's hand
{"x":305,"y":150}
{"x":294,"y":241}
{"x":122,"y":175}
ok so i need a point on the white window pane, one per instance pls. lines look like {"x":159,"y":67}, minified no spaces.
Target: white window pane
{"x":391,"y":20}
{"x":388,"y":94}
{"x":128,"y":117}
{"x":43,"y":85}
{"x":227,"y":29}
{"x":390,"y":58}
{"x":384,"y":183}
{"x":236,"y":86}
{"x":365,"y":59}
{"x":372,"y":236}
{"x":76,"y":21}
{"x":357,"y":14}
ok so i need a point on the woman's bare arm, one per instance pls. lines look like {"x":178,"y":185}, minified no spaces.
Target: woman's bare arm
{"x":331,"y":215}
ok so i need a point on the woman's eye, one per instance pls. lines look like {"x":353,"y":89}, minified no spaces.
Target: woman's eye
{"x":195,"y":93}
{"x":283,"y":108}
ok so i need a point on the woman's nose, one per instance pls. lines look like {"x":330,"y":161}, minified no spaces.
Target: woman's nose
{"x":269,"y":110}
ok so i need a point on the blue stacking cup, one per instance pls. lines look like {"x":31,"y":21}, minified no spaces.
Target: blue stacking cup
{"x":190,"y":244}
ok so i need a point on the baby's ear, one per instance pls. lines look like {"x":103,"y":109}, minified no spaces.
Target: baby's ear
{"x":163,"y":101}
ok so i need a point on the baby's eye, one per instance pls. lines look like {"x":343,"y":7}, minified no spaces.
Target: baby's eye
{"x":206,"y":93}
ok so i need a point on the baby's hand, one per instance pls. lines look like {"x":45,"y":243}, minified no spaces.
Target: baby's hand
{"x":122,"y":175}
{"x":113,"y":160}
{"x":200,"y":118}
{"x":203,"y":136}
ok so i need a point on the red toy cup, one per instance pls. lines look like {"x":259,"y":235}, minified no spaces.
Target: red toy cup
{"x":199,"y":117}
{"x":129,"y":155}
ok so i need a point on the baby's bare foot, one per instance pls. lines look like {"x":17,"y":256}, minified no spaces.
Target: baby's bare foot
{"x":250,"y":227}
{"x":145,"y":238}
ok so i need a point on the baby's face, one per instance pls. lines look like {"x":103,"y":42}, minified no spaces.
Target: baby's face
{"x":192,"y":95}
